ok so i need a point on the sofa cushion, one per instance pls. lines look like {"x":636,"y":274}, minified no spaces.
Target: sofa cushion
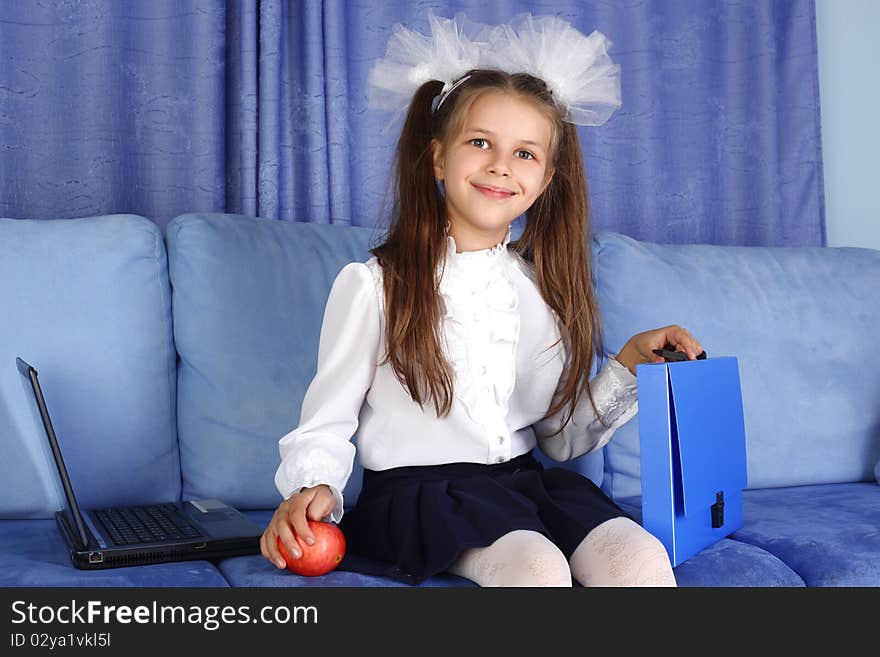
{"x":256,"y":571}
{"x":249,"y":297}
{"x":32,"y":553}
{"x":727,"y":562}
{"x":87,"y":302}
{"x":735,"y":564}
{"x":828,"y":534}
{"x":801,"y":322}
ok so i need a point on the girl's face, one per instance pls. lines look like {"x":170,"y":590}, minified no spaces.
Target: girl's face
{"x":494,"y":169}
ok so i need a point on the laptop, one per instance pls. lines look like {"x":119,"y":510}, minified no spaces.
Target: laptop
{"x":148,"y":534}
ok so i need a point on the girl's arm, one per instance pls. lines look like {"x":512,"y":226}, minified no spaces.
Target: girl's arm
{"x":615,"y":393}
{"x":319,"y":450}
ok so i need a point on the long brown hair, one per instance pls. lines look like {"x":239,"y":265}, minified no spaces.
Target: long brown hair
{"x":554,"y":242}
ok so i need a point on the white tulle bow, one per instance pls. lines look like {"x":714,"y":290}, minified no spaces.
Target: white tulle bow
{"x":577,"y":68}
{"x":411,"y":59}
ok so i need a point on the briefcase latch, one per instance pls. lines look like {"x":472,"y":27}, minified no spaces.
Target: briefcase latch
{"x":718,"y":510}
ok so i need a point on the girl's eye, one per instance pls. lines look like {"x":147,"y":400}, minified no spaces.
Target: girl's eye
{"x":483,"y":144}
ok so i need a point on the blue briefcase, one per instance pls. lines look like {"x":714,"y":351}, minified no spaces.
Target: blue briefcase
{"x":692,"y":451}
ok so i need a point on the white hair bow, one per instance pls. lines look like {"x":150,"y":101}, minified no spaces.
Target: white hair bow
{"x":577,"y":69}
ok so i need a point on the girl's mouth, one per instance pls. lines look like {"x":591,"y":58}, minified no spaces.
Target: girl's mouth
{"x":494,"y":192}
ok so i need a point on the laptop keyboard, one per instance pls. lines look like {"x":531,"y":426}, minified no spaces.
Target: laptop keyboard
{"x":146,"y":524}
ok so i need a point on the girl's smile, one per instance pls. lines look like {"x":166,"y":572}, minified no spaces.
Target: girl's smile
{"x":491,"y":191}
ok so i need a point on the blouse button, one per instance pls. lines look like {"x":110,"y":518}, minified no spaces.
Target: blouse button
{"x":500,"y":440}
{"x":499,"y":459}
{"x":483,"y":370}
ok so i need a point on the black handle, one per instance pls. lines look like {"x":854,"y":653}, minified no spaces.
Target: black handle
{"x":672,"y":356}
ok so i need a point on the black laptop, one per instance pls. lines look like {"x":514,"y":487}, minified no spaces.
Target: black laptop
{"x":138,"y":535}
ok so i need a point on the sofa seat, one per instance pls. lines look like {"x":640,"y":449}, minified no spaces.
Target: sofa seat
{"x":829,"y":534}
{"x":256,"y":571}
{"x":32,"y":553}
{"x":818,"y":535}
{"x":727,"y":562}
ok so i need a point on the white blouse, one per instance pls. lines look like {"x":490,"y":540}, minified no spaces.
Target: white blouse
{"x":497,"y":334}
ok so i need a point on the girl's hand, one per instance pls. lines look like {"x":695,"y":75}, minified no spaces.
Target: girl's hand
{"x":639,"y":348}
{"x":316,"y":503}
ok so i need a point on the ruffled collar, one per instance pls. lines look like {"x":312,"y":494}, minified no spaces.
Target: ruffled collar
{"x":491,"y":253}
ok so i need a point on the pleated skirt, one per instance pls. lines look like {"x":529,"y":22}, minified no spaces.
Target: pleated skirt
{"x":411,"y":523}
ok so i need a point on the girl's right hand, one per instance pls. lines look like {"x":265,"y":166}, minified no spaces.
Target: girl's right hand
{"x":309,"y":504}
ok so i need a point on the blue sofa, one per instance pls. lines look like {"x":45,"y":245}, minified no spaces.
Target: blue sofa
{"x":173,"y":363}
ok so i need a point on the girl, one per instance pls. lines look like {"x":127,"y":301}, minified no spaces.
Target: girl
{"x":454,"y":352}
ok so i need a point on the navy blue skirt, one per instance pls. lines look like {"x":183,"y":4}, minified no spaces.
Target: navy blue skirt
{"x":411,"y":523}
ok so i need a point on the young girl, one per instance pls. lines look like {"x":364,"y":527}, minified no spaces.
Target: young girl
{"x":454,"y":352}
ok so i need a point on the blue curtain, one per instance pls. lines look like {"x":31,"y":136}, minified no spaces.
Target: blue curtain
{"x":164,"y":107}
{"x":111,"y":106}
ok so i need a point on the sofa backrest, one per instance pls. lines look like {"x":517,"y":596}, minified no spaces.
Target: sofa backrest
{"x":87,"y":302}
{"x":248,"y":299}
{"x":802,"y":323}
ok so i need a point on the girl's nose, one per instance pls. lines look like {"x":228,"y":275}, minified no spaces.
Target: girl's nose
{"x":499,"y":166}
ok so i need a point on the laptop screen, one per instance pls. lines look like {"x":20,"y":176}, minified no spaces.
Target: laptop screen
{"x":72,"y":509}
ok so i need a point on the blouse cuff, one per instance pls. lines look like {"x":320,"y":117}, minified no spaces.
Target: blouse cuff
{"x":615,"y":391}
{"x":311,"y":468}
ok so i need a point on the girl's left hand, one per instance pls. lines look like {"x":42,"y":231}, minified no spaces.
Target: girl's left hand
{"x":639,"y":348}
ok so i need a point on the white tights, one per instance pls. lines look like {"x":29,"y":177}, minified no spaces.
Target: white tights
{"x":619,"y":552}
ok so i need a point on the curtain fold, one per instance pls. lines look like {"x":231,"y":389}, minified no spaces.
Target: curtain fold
{"x":259,"y":107}
{"x":241,"y":101}
{"x":111,"y":107}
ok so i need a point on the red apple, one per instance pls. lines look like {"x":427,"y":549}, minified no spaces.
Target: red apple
{"x":320,"y":558}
